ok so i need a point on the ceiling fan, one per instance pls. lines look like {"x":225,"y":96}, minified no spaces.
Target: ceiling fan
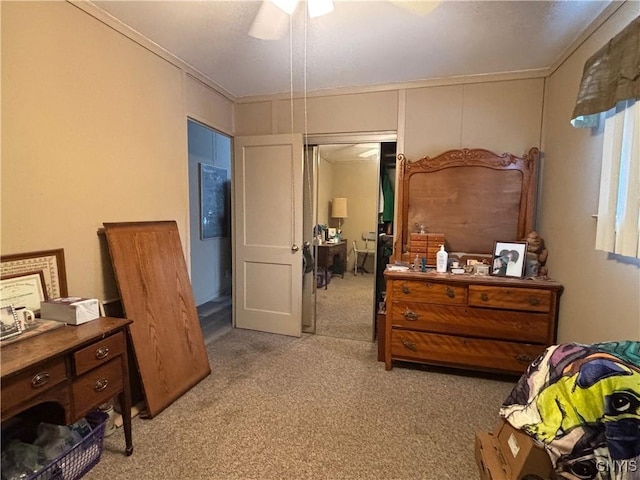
{"x":272,"y":19}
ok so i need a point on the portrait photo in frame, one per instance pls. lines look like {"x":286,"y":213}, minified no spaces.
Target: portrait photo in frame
{"x":509,"y":259}
{"x":9,"y":324}
{"x":51,"y":262}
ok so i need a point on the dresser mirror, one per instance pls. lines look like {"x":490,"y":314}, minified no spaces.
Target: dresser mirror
{"x":473,"y":196}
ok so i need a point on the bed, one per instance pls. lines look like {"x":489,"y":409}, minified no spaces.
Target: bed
{"x":582,"y":402}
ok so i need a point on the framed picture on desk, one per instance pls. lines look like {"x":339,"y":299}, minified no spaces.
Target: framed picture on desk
{"x":9,"y":326}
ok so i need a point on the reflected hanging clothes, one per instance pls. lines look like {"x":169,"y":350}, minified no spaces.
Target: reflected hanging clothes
{"x":387,"y":195}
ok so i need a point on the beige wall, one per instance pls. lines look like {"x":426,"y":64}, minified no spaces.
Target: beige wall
{"x":502,"y":116}
{"x":94,"y":129}
{"x":358,"y":112}
{"x":601,"y":300}
{"x":357,"y":181}
{"x":602,"y":295}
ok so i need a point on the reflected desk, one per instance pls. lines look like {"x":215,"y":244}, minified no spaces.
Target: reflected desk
{"x":63,"y":374}
{"x":326,"y":256}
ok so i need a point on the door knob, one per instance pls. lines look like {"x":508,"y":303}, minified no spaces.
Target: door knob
{"x":295,"y":248}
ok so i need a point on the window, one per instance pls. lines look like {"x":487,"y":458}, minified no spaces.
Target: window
{"x":610,"y":88}
{"x":618,"y":228}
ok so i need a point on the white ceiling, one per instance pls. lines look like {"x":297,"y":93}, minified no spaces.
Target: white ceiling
{"x":361,"y":43}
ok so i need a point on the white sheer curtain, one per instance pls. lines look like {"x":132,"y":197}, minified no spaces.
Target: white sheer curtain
{"x":618,"y":229}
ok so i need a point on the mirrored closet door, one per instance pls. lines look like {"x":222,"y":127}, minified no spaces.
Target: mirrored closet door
{"x":342,"y":213}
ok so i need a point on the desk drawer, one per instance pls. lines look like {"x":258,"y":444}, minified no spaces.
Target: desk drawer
{"x":32,"y":382}
{"x":97,"y":386}
{"x":527,"y":299}
{"x":98,"y":353}
{"x":428,"y":292}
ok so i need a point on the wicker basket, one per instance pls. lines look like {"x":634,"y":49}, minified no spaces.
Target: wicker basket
{"x":74,"y":463}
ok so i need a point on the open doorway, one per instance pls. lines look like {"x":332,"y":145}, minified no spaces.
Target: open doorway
{"x":210,"y":226}
{"x":341,"y":295}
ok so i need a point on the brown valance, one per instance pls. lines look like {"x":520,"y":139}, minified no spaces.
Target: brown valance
{"x":611,"y":75}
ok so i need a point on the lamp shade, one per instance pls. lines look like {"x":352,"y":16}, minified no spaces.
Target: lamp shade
{"x":339,"y":208}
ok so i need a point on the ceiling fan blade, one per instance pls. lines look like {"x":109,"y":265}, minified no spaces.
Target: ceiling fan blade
{"x":417,"y":7}
{"x":270,"y":23}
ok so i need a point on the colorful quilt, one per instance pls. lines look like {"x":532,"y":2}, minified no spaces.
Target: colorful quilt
{"x":582,"y":402}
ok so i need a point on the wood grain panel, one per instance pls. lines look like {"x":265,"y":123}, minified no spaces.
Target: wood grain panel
{"x":483,"y":354}
{"x":460,"y":320}
{"x":156,"y":294}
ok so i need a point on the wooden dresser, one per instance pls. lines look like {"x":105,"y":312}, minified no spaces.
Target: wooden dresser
{"x":469,"y":321}
{"x":476,"y":199}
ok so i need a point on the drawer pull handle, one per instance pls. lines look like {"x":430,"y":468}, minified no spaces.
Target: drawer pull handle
{"x":102,"y":352}
{"x":524,"y":358}
{"x":411,"y":315}
{"x":450,"y":292}
{"x":484,"y":297}
{"x":40,"y":379}
{"x":405,"y":290}
{"x":409,"y":345}
{"x":101,"y":385}
{"x":534,"y":301}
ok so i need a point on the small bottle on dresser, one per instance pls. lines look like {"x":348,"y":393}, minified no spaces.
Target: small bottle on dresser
{"x":442,"y":258}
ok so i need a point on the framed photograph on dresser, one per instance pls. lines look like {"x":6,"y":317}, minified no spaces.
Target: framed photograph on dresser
{"x":509,"y":259}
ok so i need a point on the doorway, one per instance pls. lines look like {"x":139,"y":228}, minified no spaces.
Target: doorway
{"x":341,"y":302}
{"x":210,"y":226}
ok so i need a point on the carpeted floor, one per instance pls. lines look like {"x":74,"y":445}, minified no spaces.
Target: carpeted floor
{"x":314,"y":407}
{"x":346,"y":308}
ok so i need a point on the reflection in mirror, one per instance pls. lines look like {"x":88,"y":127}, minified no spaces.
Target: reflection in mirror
{"x":344,"y":290}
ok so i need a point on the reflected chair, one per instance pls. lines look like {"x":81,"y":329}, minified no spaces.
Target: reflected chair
{"x":369,"y":249}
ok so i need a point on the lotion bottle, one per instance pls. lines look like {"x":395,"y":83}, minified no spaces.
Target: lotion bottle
{"x":442,"y":258}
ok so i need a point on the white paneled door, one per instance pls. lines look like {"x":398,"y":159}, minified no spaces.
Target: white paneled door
{"x":268,"y":233}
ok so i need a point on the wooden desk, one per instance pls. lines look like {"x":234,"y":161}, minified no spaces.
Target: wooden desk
{"x":326,"y":254}
{"x":68,"y":371}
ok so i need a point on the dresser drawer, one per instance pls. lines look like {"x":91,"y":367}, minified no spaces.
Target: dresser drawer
{"x":469,"y":321}
{"x":97,"y":386}
{"x":429,"y":292}
{"x":528,"y":299}
{"x":462,"y":351}
{"x":32,"y":382}
{"x":98,"y":353}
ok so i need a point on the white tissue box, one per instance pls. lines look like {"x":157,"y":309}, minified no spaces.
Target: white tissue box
{"x":71,"y":310}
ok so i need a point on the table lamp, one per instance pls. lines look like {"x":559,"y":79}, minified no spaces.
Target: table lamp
{"x":339,"y":211}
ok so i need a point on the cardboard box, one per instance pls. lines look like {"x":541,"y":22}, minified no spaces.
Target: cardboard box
{"x":71,"y":310}
{"x":511,"y":454}
{"x":487,"y":457}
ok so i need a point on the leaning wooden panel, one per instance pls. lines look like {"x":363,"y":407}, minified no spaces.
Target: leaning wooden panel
{"x":156,"y":294}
